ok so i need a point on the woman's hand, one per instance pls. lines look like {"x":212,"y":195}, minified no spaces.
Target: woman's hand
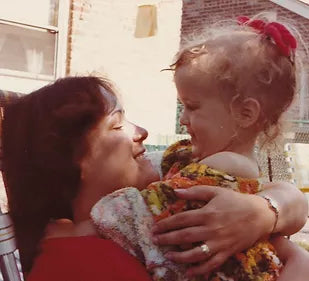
{"x":230,"y":222}
{"x":295,"y":259}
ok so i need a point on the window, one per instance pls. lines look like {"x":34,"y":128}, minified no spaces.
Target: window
{"x":33,"y":39}
{"x":146,"y":21}
{"x":25,"y":50}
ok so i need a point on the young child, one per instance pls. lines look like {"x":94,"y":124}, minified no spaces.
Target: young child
{"x":234,"y":86}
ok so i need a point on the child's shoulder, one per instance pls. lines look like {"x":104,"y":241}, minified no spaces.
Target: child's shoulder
{"x":233,"y":163}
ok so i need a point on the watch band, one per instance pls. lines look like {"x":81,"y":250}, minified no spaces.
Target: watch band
{"x":273,"y":205}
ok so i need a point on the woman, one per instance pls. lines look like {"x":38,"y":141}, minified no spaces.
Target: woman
{"x":81,"y":149}
{"x":67,"y":150}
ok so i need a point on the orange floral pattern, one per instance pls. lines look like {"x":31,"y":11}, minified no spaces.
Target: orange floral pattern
{"x":258,"y":263}
{"x":127,"y":215}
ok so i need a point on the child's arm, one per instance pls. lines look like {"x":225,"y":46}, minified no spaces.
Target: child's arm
{"x":232,"y":163}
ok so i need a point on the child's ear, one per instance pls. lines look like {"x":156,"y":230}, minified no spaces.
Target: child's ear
{"x":246,"y":112}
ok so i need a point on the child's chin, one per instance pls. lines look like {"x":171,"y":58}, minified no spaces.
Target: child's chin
{"x":198,"y":154}
{"x":195,"y":151}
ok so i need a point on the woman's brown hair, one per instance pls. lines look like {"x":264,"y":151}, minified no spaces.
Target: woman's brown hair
{"x":44,"y":137}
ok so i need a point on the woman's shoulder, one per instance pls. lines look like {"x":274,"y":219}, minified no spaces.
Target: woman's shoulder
{"x":68,"y":244}
{"x":85,"y":258}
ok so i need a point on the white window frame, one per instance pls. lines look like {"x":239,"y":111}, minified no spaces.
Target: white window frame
{"x":24,"y":82}
{"x":296,"y":6}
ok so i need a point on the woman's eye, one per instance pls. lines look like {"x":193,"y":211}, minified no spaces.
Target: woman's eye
{"x":118,"y":127}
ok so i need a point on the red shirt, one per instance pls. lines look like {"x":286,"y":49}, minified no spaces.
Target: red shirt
{"x":85,"y":259}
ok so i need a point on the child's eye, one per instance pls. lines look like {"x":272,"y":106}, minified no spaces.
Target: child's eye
{"x":118,"y":127}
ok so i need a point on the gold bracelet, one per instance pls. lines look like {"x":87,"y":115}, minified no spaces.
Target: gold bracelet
{"x":273,"y":205}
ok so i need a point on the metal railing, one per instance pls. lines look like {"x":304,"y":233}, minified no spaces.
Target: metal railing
{"x":8,"y":263}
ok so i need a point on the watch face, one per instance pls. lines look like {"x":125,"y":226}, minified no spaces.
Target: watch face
{"x":274,"y":203}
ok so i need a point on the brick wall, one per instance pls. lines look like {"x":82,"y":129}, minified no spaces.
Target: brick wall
{"x":102,"y":40}
{"x":200,"y":13}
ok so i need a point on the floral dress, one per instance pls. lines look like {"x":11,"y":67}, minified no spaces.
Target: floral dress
{"x":127,"y":215}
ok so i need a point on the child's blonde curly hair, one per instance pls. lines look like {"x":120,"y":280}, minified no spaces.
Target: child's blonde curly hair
{"x":244,"y":59}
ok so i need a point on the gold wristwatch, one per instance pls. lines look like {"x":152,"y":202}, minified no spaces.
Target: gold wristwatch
{"x":273,"y":205}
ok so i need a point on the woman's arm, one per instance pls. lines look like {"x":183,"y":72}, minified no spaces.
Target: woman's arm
{"x":291,"y":203}
{"x":295,"y":259}
{"x":230,"y":222}
{"x":292,"y":206}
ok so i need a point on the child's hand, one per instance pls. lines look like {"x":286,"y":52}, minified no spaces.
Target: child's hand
{"x":229,"y":223}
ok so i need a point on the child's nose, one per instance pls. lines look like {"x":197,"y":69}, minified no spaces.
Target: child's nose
{"x":183,"y":119}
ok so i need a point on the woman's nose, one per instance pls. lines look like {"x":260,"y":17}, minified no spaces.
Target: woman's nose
{"x":140,"y":134}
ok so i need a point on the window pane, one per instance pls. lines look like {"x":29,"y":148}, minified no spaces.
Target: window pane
{"x":27,"y":50}
{"x":298,"y":160}
{"x":42,"y":12}
{"x":146,"y":21}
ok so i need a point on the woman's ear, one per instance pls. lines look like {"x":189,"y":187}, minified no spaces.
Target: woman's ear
{"x":246,"y":112}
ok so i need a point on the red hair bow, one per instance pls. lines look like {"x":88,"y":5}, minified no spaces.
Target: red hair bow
{"x":285,"y":41}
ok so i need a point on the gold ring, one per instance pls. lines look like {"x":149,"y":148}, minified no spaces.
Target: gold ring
{"x":205,"y":249}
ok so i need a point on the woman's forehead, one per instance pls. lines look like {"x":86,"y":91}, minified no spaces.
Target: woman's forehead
{"x":111,"y":99}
